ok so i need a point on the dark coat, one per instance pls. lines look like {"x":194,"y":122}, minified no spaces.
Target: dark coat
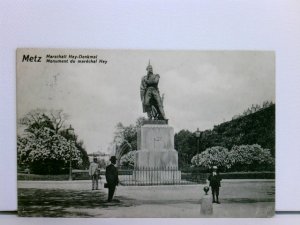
{"x":111,"y":175}
{"x":215,"y":181}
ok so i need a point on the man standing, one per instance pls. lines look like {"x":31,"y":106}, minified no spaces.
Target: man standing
{"x":112,"y":179}
{"x":215,"y":184}
{"x":150,"y":96}
{"x":94,"y":173}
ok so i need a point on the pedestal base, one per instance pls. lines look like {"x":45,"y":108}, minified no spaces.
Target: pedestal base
{"x":157,"y":176}
{"x":156,"y":160}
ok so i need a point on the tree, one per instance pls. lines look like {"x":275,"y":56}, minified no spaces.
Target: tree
{"x":239,"y":158}
{"x":84,"y":156}
{"x":58,"y":118}
{"x":45,"y":146}
{"x":251,"y":158}
{"x":214,"y":156}
{"x":35,"y":120}
{"x":38,"y":118}
{"x":186,"y":145}
{"x":126,"y":136}
{"x":256,"y":128}
{"x":46,"y":152}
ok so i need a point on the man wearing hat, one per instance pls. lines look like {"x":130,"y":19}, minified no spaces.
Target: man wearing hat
{"x":94,"y":173}
{"x":215,"y":183}
{"x":112,"y":179}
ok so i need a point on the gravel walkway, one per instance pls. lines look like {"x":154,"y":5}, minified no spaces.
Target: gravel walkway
{"x":239,"y":198}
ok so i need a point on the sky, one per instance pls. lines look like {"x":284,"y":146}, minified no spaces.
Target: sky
{"x":201,"y":88}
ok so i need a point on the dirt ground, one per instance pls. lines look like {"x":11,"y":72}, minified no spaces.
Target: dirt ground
{"x":239,"y":198}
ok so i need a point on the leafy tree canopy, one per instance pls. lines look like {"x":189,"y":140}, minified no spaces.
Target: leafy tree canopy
{"x":214,"y":156}
{"x":239,"y":158}
{"x":45,"y":146}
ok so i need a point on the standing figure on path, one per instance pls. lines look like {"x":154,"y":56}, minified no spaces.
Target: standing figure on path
{"x":150,"y":96}
{"x":112,"y":178}
{"x":94,"y":173}
{"x":215,"y":183}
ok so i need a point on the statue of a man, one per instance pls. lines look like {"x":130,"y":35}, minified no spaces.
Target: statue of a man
{"x":150,"y":96}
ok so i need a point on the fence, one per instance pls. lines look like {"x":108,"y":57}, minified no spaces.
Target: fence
{"x":159,"y":176}
{"x":188,"y":176}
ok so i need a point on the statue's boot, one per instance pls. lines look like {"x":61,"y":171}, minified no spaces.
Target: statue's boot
{"x":149,"y":114}
{"x":162,"y":112}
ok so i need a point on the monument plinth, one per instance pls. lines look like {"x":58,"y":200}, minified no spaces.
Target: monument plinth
{"x":156,"y":158}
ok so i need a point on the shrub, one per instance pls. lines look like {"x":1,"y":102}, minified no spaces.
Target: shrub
{"x":128,"y":159}
{"x":46,"y":152}
{"x":214,"y":156}
{"x":248,"y":175}
{"x":239,"y":158}
{"x":251,"y":158}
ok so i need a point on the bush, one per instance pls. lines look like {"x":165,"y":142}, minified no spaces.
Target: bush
{"x":215,"y":156}
{"x":45,"y":146}
{"x":45,"y":152}
{"x":251,"y":158}
{"x":42,"y":177}
{"x":239,"y":158}
{"x":248,"y":175}
{"x":128,"y":160}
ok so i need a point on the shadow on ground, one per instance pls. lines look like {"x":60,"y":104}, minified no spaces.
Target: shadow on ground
{"x":57,"y":202}
{"x":86,"y":203}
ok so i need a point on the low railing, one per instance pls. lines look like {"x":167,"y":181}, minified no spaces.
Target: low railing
{"x":159,"y":176}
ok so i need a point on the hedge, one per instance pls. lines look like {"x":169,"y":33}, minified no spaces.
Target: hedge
{"x":42,"y":177}
{"x":248,"y":175}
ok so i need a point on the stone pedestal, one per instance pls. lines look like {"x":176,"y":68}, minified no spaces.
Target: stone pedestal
{"x":156,"y":158}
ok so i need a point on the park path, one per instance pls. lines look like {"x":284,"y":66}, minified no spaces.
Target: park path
{"x":254,"y":198}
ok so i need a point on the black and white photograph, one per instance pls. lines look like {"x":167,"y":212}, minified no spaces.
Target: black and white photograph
{"x":145,"y":133}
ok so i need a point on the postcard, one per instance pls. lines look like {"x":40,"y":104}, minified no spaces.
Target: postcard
{"x":145,"y":133}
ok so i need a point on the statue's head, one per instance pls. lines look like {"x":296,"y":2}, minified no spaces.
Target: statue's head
{"x":149,"y":68}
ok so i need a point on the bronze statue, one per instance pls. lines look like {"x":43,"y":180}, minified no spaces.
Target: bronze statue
{"x":150,"y":96}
